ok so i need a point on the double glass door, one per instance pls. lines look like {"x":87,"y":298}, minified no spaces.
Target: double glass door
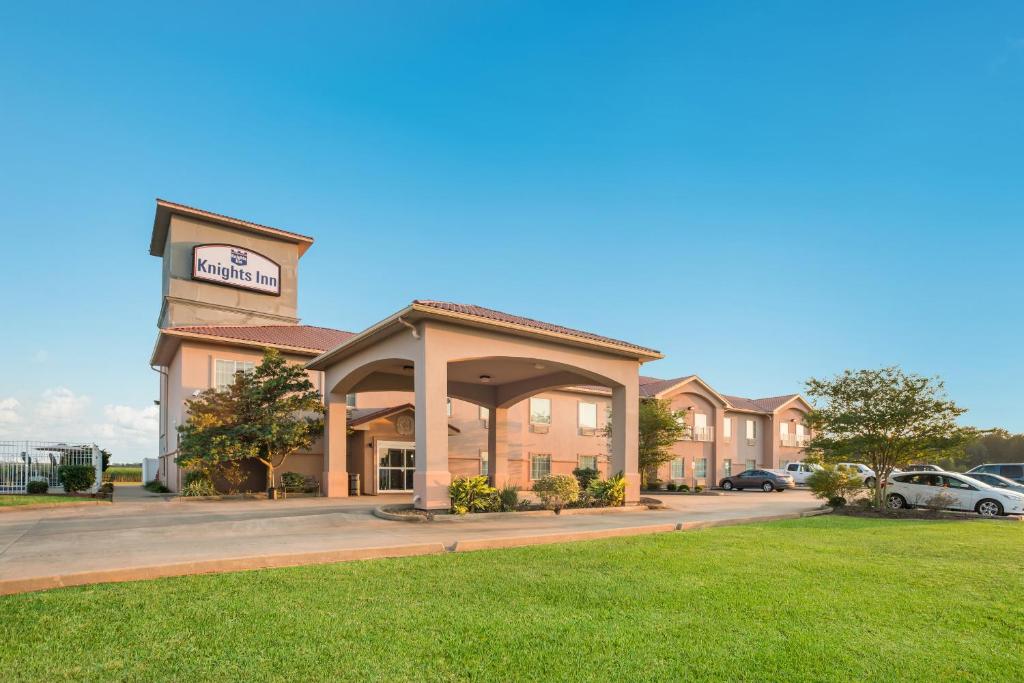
{"x":396,"y":464}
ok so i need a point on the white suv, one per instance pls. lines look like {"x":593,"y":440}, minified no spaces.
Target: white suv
{"x":959,"y":492}
{"x":800,"y":471}
{"x":865,"y":472}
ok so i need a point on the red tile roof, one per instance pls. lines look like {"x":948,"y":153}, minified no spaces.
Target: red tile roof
{"x":499,"y":316}
{"x":297,"y":336}
{"x":651,"y":386}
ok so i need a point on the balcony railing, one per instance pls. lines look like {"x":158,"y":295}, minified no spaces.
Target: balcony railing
{"x":795,"y":441}
{"x":706,"y":434}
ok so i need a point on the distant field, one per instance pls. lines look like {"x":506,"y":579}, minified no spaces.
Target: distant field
{"x":10,"y":501}
{"x":120,"y":473}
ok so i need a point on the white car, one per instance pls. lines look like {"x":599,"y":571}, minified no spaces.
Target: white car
{"x":800,"y":471}
{"x":865,"y":472}
{"x":960,"y":492}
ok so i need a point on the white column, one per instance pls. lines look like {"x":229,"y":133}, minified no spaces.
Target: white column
{"x":431,"y":480}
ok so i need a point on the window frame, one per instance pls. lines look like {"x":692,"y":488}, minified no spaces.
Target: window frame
{"x":534,"y":458}
{"x":579,"y":462}
{"x":531,"y":411}
{"x":235,"y":365}
{"x":585,"y":430}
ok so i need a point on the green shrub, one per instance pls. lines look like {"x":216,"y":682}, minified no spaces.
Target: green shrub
{"x":671,"y":486}
{"x":473,"y":494}
{"x":832,"y":483}
{"x":199,"y":487}
{"x":685,"y":488}
{"x":508,"y":498}
{"x":610,"y":492}
{"x":585,"y":475}
{"x":293,"y":481}
{"x":698,"y":488}
{"x":76,"y":477}
{"x":37,"y":487}
{"x":195,"y":475}
{"x":156,"y":487}
{"x":653,"y":485}
{"x":557,"y":491}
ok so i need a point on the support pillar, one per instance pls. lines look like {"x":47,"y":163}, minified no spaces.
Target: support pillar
{"x":626,"y":436}
{"x":335,"y":478}
{"x":497,"y":446}
{"x":431,"y":479}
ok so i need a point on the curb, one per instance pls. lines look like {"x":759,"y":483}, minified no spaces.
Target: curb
{"x":11,"y":586}
{"x":447,"y":518}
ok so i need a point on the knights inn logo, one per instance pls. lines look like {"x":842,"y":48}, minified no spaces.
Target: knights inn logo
{"x":239,"y":257}
{"x":236,"y":267}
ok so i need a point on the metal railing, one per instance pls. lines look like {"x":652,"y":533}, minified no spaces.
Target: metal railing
{"x":795,"y":441}
{"x":706,"y":434}
{"x":25,"y":461}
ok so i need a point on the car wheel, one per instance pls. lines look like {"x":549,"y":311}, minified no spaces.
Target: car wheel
{"x":727,"y":485}
{"x":989,"y":508}
{"x":767,"y":487}
{"x":896,"y":502}
{"x":870,"y":482}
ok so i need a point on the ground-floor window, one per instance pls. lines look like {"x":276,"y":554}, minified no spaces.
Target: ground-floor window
{"x":700,"y":467}
{"x":483,"y":463}
{"x":588,"y":462}
{"x":540,"y":466}
{"x":396,"y":465}
{"x":751,"y":464}
{"x":727,"y":467}
{"x":678,"y":469}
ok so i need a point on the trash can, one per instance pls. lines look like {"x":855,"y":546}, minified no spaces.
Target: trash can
{"x":353,"y":484}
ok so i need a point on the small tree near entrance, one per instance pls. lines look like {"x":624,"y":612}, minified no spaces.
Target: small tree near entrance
{"x":660,"y":427}
{"x":267,"y":414}
{"x":884,"y":418}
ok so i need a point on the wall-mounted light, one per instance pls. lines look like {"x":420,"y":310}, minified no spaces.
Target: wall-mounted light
{"x":539,"y":366}
{"x":485,"y":378}
{"x":691,"y":407}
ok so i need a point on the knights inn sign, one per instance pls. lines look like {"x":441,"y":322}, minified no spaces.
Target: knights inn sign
{"x":225,"y":264}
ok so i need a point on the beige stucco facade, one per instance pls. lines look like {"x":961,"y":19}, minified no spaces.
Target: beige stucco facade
{"x":440,"y":389}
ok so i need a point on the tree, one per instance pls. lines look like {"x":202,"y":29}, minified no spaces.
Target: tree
{"x":660,"y":427}
{"x":267,"y":413}
{"x":884,"y":418}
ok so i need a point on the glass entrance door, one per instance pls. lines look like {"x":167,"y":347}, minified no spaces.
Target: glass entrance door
{"x":396,"y":463}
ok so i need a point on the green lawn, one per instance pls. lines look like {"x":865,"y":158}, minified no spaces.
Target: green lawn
{"x":26,"y":499}
{"x":828,"y":598}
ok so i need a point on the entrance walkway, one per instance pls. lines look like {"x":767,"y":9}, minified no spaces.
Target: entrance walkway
{"x":153,"y":532}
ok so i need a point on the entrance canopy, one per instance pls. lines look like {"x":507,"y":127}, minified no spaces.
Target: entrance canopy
{"x":438,"y":349}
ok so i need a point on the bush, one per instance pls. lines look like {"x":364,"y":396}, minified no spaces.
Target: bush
{"x":653,"y":485}
{"x":610,"y":492}
{"x":685,"y":488}
{"x":156,"y":487}
{"x":198,"y":483}
{"x":508,"y":498}
{"x":671,"y":486}
{"x":698,"y":488}
{"x":585,"y":475}
{"x":293,"y":482}
{"x":832,"y":483}
{"x":37,"y":487}
{"x":473,"y":494}
{"x":76,"y":477}
{"x":557,"y":491}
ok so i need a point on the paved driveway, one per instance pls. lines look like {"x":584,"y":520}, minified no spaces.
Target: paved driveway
{"x":144,"y":531}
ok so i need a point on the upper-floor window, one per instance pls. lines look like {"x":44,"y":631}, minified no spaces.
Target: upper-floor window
{"x":540,"y":411}
{"x":587,"y":417}
{"x":727,"y":428}
{"x":350,"y":400}
{"x":224,"y":371}
{"x":751,"y":429}
{"x":484,"y":414}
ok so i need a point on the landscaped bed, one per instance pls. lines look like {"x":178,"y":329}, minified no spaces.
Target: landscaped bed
{"x":827,"y":598}
{"x":27,"y":499}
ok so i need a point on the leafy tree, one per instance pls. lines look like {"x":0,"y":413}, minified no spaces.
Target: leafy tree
{"x":884,"y":418}
{"x":660,"y":427}
{"x":267,"y":413}
{"x":106,"y":458}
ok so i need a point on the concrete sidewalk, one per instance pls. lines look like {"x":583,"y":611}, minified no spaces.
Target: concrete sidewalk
{"x":152,"y":536}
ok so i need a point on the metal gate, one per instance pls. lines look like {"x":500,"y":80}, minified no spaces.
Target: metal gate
{"x":25,"y":461}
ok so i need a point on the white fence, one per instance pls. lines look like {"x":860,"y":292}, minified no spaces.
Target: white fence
{"x":149,"y":469}
{"x":25,"y":461}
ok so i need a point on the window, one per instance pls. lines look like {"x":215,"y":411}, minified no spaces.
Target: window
{"x":224,"y":374}
{"x":678,"y":469}
{"x":540,"y":466}
{"x":784,"y":430}
{"x":483,"y":463}
{"x":700,"y":467}
{"x":587,"y":417}
{"x":588,"y":462}
{"x":540,"y":411}
{"x":793,"y":467}
{"x":700,"y":427}
{"x":751,"y":430}
{"x":727,"y":467}
{"x":485,"y":415}
{"x":727,"y":428}
{"x":448,"y":407}
{"x":751,"y":464}
{"x":350,"y":400}
{"x":1011,"y":471}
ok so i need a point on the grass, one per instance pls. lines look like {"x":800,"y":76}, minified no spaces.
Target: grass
{"x":828,"y":598}
{"x":31,"y":499}
{"x":117,"y":473}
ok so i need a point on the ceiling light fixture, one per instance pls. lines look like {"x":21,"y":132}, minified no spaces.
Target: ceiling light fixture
{"x":485,"y":378}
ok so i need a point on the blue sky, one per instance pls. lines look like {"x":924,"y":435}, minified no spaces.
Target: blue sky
{"x":765,"y":192}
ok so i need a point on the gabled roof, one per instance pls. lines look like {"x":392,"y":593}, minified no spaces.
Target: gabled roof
{"x":763,"y":405}
{"x":306,"y":340}
{"x":653,"y":387}
{"x":165,"y":209}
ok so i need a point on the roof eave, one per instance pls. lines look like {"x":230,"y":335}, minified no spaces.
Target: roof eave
{"x":231,"y":341}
